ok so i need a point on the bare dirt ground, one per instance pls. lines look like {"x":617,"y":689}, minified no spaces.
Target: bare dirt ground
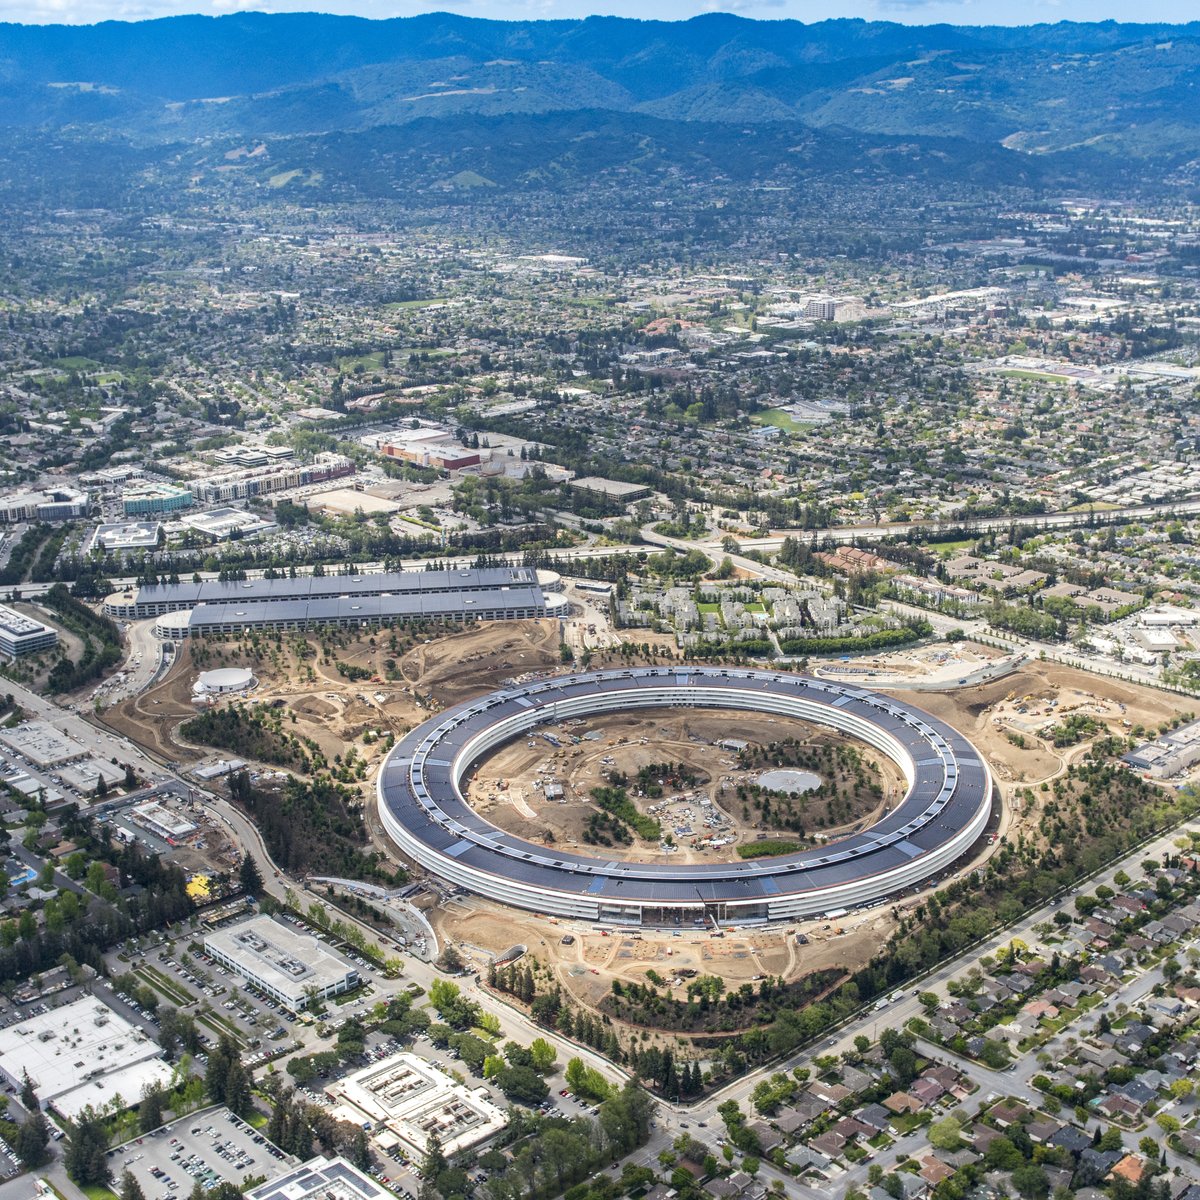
{"x":940,"y":664}
{"x":1040,"y":694}
{"x":411,"y":675}
{"x":1028,"y":704}
{"x":587,"y":966}
{"x":406,"y":676}
{"x":706,"y":821}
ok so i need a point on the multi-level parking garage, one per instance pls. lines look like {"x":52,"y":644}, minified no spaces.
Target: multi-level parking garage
{"x":944,"y":810}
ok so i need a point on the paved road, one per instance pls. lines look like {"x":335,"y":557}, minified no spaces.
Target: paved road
{"x":903,"y":1005}
{"x":1056,"y":520}
{"x":33,"y":590}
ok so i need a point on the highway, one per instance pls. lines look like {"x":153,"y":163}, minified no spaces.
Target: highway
{"x":1054,"y":520}
{"x":712,"y":545}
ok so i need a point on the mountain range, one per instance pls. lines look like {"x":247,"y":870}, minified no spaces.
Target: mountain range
{"x":1125,"y":92}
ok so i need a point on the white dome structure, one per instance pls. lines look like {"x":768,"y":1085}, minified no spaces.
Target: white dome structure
{"x":223,"y":682}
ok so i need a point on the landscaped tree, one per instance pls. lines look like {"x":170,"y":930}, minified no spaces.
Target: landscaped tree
{"x":435,"y":1160}
{"x":945,"y":1134}
{"x":216,"y":1076}
{"x":33,"y":1138}
{"x":360,"y":1151}
{"x":1031,"y":1181}
{"x":86,"y":1156}
{"x":237,"y":1089}
{"x":451,"y":960}
{"x":130,"y":1188}
{"x":542,"y":1054}
{"x":150,"y":1112}
{"x":249,"y":876}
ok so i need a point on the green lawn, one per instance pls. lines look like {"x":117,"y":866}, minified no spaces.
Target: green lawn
{"x":368,"y":362}
{"x":780,"y":419}
{"x":220,"y":1026}
{"x":1038,"y":375}
{"x":173,"y":991}
{"x":950,"y":547}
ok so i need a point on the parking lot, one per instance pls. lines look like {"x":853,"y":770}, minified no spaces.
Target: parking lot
{"x":210,"y":1147}
{"x":182,"y":979}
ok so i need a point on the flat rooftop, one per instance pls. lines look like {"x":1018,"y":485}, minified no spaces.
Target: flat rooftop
{"x":414,"y":1099}
{"x":159,"y":815}
{"x":320,"y":587}
{"x":279,"y":956}
{"x":42,"y":744}
{"x":18,"y":624}
{"x":354,"y":609}
{"x":322,"y":1179}
{"x":615,"y":488}
{"x":83,"y":1053}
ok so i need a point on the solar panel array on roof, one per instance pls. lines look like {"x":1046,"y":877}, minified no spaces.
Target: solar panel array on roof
{"x":949,"y":792}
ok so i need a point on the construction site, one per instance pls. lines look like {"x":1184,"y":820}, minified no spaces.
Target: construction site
{"x":345,"y":689}
{"x":683,"y":773}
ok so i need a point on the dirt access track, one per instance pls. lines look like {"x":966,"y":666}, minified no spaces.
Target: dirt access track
{"x":340,"y":685}
{"x":516,"y":788}
{"x":1043,"y":694}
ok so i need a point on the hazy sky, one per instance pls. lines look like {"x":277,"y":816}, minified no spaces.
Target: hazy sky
{"x":966,"y":12}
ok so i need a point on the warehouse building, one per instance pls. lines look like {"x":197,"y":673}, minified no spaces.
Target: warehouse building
{"x":39,"y":743}
{"x":162,"y":822}
{"x":292,"y":968}
{"x":82,"y":1055}
{"x":21,"y":635}
{"x":153,"y":600}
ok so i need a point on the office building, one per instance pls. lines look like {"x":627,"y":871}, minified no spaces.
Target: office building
{"x":1168,"y":755}
{"x":58,"y":504}
{"x":408,"y":1100}
{"x":322,"y":1179}
{"x":126,"y":537}
{"x":280,"y":477}
{"x":21,"y":635}
{"x":153,"y":600}
{"x":290,"y":967}
{"x":149,"y":498}
{"x":82,"y":1055}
